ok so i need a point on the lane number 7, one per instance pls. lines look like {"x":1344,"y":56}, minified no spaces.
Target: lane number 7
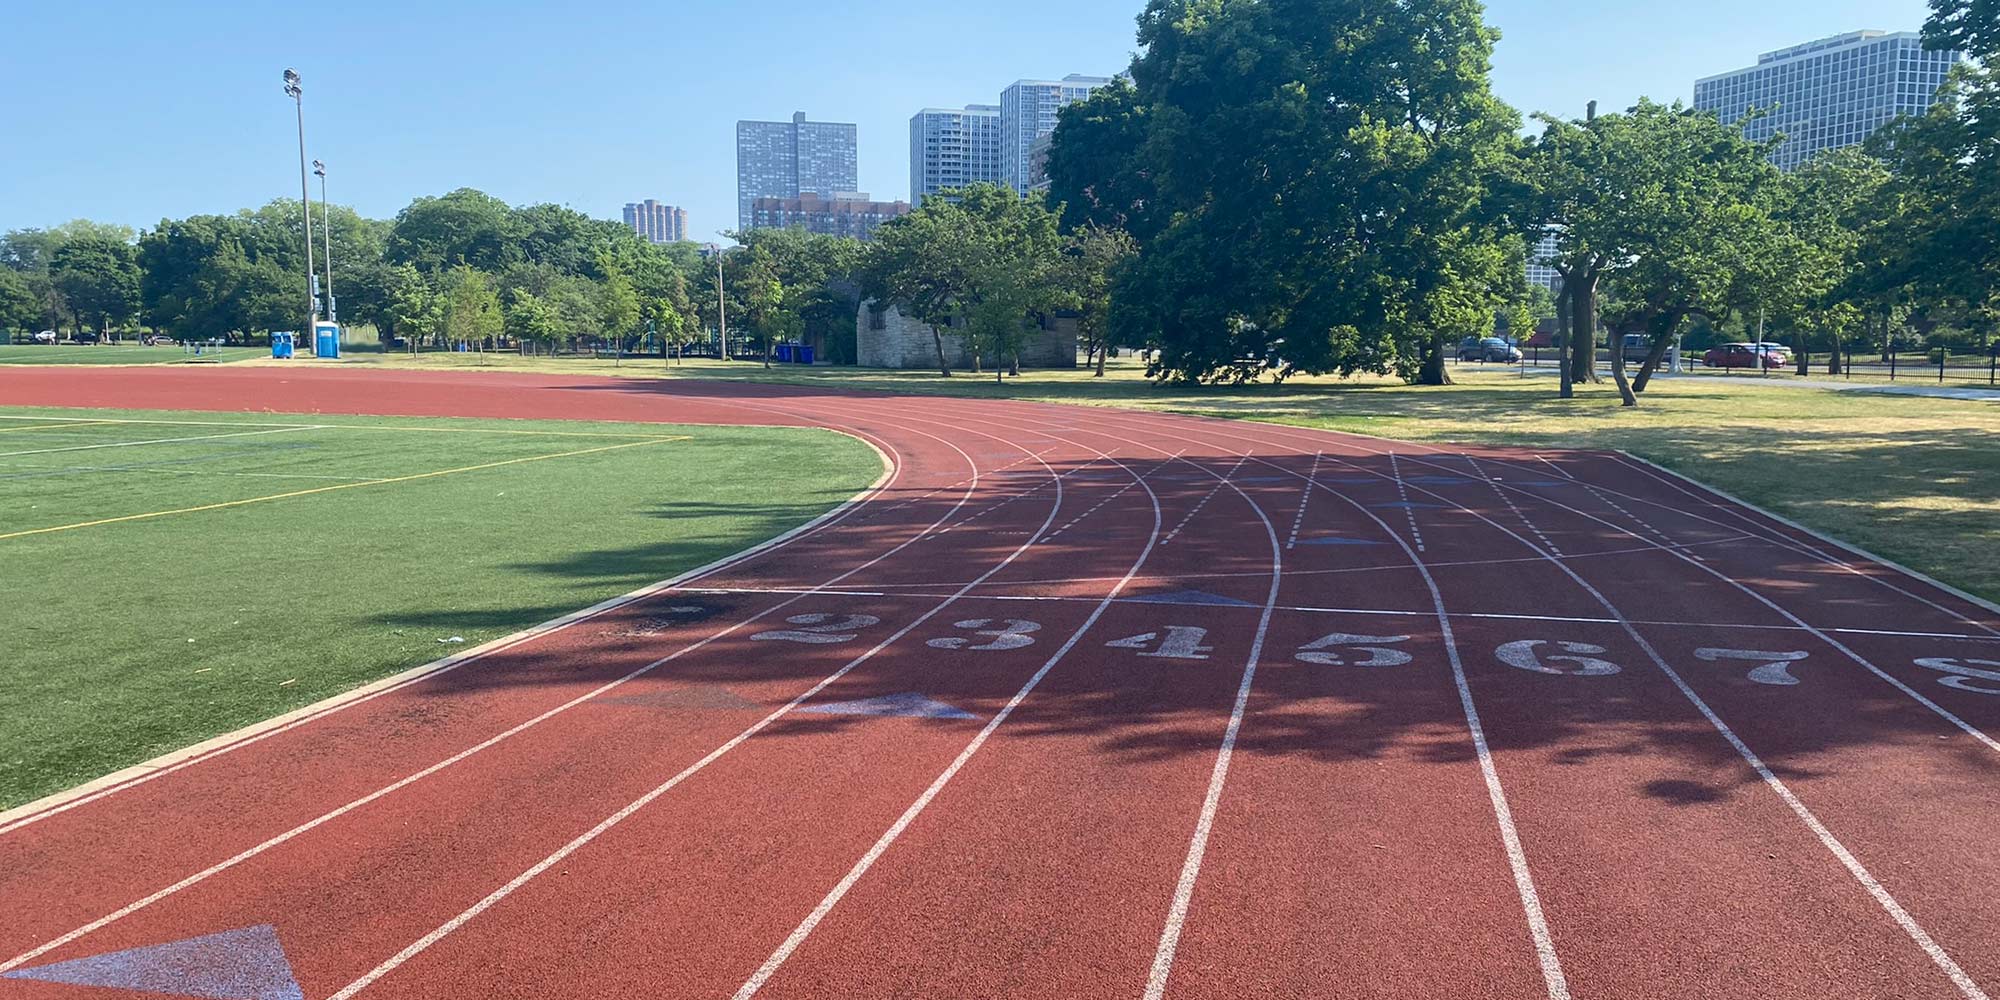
{"x":1774,"y":669}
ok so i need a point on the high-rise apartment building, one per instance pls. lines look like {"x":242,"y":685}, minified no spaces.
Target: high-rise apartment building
{"x":846,"y":213}
{"x":1542,"y":256}
{"x":656,"y":222}
{"x":789,"y":159}
{"x":953,"y":148}
{"x":1028,"y":110}
{"x":1828,"y":94}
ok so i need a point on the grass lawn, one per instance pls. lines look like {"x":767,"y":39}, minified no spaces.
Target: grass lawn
{"x":130,"y":353}
{"x":1914,"y":479}
{"x":134,"y":637}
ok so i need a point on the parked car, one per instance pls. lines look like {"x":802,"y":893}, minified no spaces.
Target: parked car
{"x":47,"y":337}
{"x":1637,"y":346}
{"x":1745,"y":356}
{"x":1488,"y":349}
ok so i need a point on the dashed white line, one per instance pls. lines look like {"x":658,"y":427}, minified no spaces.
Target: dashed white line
{"x":1305,"y":500}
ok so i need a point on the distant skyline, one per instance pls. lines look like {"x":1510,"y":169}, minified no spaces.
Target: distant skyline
{"x":177,"y":111}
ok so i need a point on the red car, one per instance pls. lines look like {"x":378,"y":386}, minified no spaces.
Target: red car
{"x":1745,"y":356}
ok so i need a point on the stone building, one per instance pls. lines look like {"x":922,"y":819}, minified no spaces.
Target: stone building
{"x":885,"y":338}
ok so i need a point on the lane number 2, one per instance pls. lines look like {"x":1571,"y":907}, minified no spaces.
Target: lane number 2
{"x":819,"y":629}
{"x":1012,"y":633}
{"x":1774,"y":669}
{"x":1336,"y":649}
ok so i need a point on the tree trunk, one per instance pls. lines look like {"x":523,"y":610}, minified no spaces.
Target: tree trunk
{"x":1833,"y":365}
{"x":937,"y":339}
{"x":1653,"y":359}
{"x":1568,"y":390}
{"x":1102,"y":350}
{"x":1434,"y":371}
{"x":1805,"y":360}
{"x":1618,"y":370}
{"x":1014,"y":364}
{"x":1583,"y":329}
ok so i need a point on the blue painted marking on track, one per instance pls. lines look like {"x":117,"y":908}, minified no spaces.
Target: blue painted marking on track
{"x":1264,"y":480}
{"x":1411,"y":505}
{"x":1438,"y":480}
{"x":1191,"y":597}
{"x":1337,"y":540}
{"x":1351,"y":481}
{"x":908,"y":705}
{"x":1541,"y":483}
{"x":243,"y":964}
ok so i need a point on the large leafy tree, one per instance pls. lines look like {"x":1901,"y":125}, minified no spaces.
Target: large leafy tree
{"x":462,"y":227}
{"x":977,"y":256}
{"x":1670,"y":207}
{"x":19,"y":308}
{"x":99,"y":278}
{"x":1311,"y":183}
{"x":1092,"y":257}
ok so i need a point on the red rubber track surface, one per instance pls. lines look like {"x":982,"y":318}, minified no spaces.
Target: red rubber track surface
{"x":1264,"y":712}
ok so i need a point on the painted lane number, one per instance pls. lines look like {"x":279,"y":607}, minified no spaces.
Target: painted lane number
{"x":819,"y":629}
{"x":1012,"y":633}
{"x":1774,"y":669}
{"x":1334,"y":651}
{"x":1581,"y":657}
{"x":1182,"y":642}
{"x":1964,"y":676}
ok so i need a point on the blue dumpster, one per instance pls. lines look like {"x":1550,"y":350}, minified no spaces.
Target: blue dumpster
{"x":282,"y":344}
{"x":326,"y":340}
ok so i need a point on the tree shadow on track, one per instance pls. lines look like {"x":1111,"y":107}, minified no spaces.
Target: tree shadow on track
{"x":1134,"y":713}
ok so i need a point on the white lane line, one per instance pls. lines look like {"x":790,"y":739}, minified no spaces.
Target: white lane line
{"x":343,"y":810}
{"x":882,"y":844}
{"x":1211,"y":803}
{"x":1740,"y":510}
{"x":1560,"y":471}
{"x":181,"y":440}
{"x":1919,"y":697}
{"x":1902,"y":917}
{"x":445,"y":929}
{"x":32,"y":472}
{"x":1305,"y":501}
{"x":1517,"y":858}
{"x":1403,"y":490}
{"x":1509,"y":501}
{"x":1171,"y":535}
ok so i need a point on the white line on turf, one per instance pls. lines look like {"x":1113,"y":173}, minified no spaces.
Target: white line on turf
{"x":138,"y":444}
{"x":327,"y":817}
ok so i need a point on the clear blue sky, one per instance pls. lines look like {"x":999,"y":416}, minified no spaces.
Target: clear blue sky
{"x":130,"y":112}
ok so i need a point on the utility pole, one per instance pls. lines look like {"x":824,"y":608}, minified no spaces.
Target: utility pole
{"x":297,"y":93}
{"x":326,"y":234}
{"x":721,"y":305}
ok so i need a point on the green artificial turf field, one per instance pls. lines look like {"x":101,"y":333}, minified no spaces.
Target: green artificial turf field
{"x":130,"y":353}
{"x":171,"y":576}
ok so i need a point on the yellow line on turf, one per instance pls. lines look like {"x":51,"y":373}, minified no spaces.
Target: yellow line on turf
{"x":342,"y":486}
{"x":44,"y":427}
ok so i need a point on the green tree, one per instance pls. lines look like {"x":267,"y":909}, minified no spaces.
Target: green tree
{"x":471,"y":312}
{"x":413,"y":307}
{"x":618,"y":305}
{"x":529,"y":320}
{"x":942,"y":263}
{"x":464,"y":226}
{"x":1306,"y":201}
{"x":19,"y":309}
{"x":1668,"y":205}
{"x":1092,"y":256}
{"x":99,"y":278}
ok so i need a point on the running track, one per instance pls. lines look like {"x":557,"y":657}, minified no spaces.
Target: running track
{"x":1206,"y":709}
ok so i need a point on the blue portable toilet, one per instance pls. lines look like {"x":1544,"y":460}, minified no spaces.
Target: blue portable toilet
{"x":282,"y":344}
{"x":326,"y":340}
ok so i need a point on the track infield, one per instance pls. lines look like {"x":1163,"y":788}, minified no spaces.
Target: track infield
{"x":1088,"y":703}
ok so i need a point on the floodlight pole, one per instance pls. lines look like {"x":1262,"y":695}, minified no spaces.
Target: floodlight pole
{"x":326,"y":237}
{"x":721,"y":304}
{"x":297,"y":94}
